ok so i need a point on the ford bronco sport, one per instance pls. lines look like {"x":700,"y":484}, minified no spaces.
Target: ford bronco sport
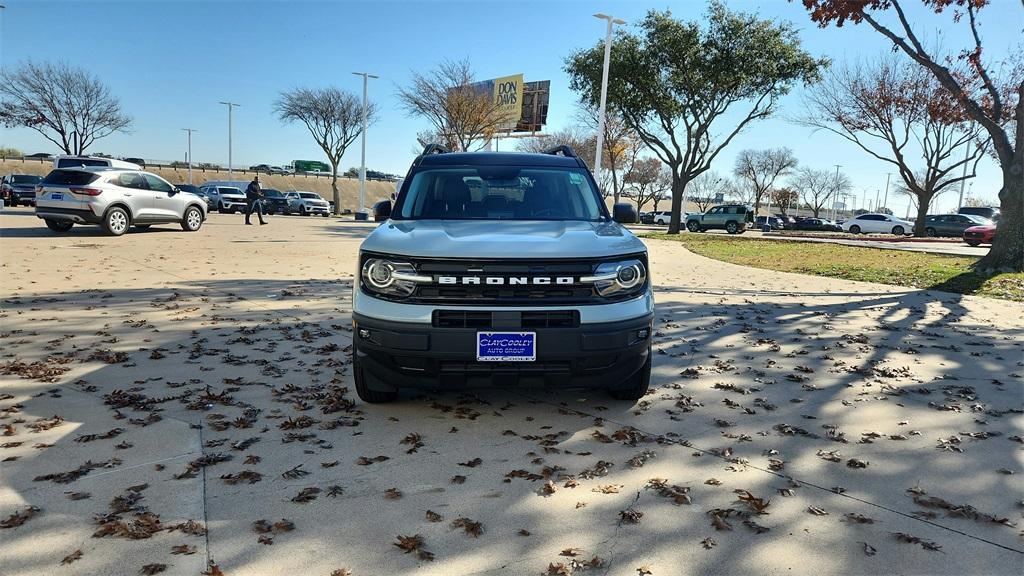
{"x":501,"y":269}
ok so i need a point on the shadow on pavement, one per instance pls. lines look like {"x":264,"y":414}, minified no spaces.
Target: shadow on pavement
{"x":761,"y":396}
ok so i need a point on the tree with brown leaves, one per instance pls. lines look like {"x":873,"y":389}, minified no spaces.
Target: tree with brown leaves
{"x":898,"y":113}
{"x":992,"y":99}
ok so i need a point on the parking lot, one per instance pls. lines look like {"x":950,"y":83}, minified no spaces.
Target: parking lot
{"x":183,"y":400}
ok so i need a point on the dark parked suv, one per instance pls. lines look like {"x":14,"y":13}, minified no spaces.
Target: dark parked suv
{"x":274,"y":202}
{"x":19,"y":189}
{"x":501,"y":269}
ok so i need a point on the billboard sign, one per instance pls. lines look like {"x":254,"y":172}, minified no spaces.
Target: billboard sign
{"x":507,"y":94}
{"x":535,"y":106}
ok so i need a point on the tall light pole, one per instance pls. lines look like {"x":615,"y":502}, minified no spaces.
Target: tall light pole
{"x":362,"y":163}
{"x":838,"y":166}
{"x":231,"y":106}
{"x":967,"y":156}
{"x":885,"y":199}
{"x":190,"y":131}
{"x":612,"y":21}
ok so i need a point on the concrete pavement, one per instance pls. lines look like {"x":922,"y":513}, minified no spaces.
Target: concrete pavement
{"x":800,"y":424}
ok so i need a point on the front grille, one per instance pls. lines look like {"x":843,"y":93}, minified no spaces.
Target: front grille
{"x":526,"y":295}
{"x":527,"y":319}
{"x":461,"y":319}
{"x":551,"y":319}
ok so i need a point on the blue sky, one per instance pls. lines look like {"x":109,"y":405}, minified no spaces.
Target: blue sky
{"x":171,"y":62}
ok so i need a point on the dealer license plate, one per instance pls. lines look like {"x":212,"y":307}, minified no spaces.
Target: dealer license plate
{"x":506,"y":346}
{"x":56,"y":196}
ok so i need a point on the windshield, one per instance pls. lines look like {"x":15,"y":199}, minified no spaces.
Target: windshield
{"x":230,"y":191}
{"x":499,"y":193}
{"x":25,"y":179}
{"x":309,"y":195}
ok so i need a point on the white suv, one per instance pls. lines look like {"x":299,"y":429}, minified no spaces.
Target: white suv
{"x":225,"y":199}
{"x":306,"y":203}
{"x":114,"y":199}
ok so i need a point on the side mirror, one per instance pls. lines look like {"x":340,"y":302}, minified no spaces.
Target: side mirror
{"x":382,"y":211}
{"x":624,"y":213}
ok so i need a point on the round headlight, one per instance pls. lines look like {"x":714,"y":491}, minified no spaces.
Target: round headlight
{"x":378,"y":273}
{"x":628,"y":276}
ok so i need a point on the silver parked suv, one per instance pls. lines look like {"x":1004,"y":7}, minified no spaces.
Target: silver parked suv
{"x":115,"y":199}
{"x":506,"y":269}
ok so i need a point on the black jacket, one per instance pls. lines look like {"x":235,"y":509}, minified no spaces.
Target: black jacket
{"x":253,"y":192}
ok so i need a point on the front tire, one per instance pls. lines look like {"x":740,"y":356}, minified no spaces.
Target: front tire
{"x":732,"y":227}
{"x":221,"y":208}
{"x":854,"y":229}
{"x":325,"y":215}
{"x":59,"y":226}
{"x":972,"y":243}
{"x":641,"y":381}
{"x":931,"y":232}
{"x":362,"y":390}
{"x":116,"y":221}
{"x":692,"y":226}
{"x":192,"y":220}
{"x":302,"y":211}
{"x":898,"y":230}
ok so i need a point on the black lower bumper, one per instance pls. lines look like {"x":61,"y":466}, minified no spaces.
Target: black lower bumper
{"x":68,"y":214}
{"x":396,"y":355}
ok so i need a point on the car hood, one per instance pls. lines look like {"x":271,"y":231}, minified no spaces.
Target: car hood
{"x":502,"y":239}
{"x":981,"y":228}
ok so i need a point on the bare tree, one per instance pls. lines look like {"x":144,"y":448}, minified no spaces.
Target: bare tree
{"x":989,"y":90}
{"x":759,"y":169}
{"x":461,"y":114}
{"x":900,"y":114}
{"x":642,"y":181}
{"x":334,"y":118}
{"x":68,"y":106}
{"x":620,"y":148}
{"x":704,"y":190}
{"x":663,"y":185}
{"x":581,"y":139}
{"x":817,"y":187}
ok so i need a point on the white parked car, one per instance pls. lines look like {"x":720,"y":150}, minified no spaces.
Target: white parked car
{"x":306,"y":203}
{"x":663,"y":217}
{"x":878,"y":223}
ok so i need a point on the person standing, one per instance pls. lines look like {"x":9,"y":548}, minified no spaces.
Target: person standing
{"x":254,"y":200}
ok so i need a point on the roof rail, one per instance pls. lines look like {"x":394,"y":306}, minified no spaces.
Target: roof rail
{"x":563,"y":150}
{"x":434,"y":148}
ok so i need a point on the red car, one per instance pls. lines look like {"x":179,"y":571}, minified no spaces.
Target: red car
{"x":980,"y":235}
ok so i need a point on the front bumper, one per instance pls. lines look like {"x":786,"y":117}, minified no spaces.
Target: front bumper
{"x":414,"y":355}
{"x":317,"y":209}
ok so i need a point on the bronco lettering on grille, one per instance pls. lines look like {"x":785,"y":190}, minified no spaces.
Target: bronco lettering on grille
{"x":502,"y":281}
